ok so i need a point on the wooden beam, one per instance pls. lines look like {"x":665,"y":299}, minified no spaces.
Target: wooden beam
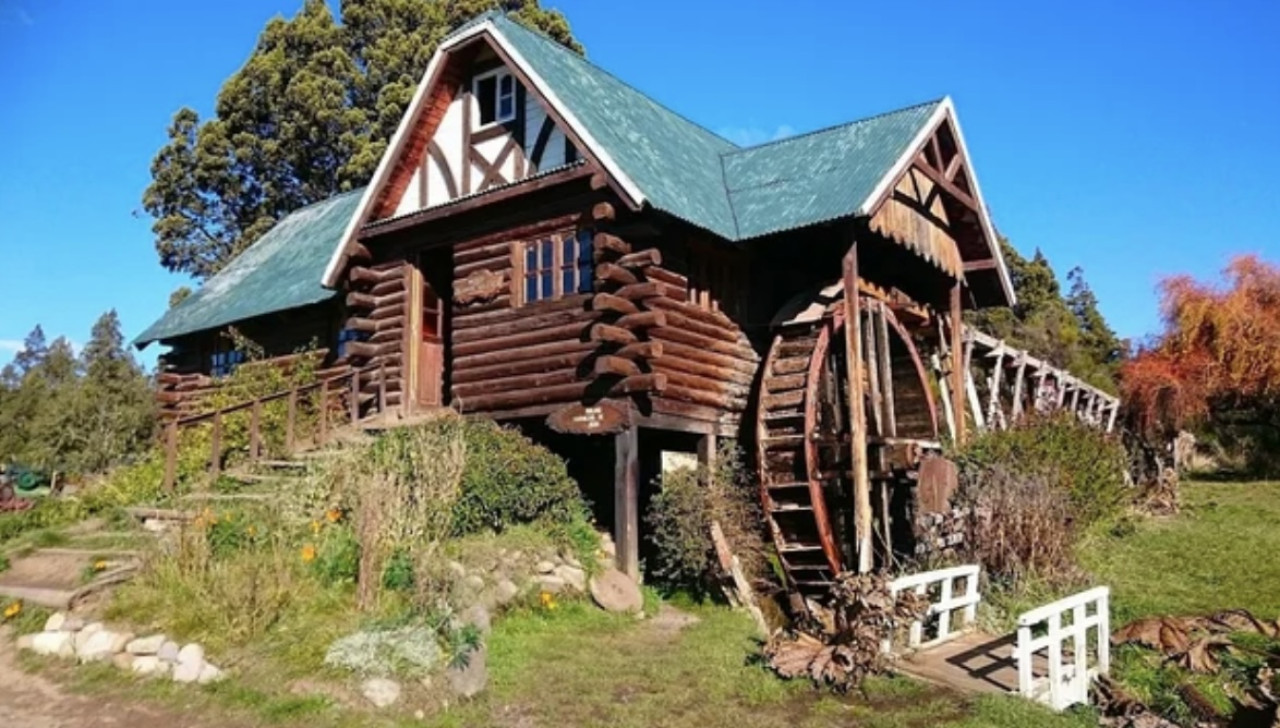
{"x":857,"y":412}
{"x":957,"y":366}
{"x":971,"y":266}
{"x":626,"y":501}
{"x":949,"y":187}
{"x":886,"y":375}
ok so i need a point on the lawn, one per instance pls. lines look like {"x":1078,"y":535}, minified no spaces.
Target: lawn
{"x":1219,"y":553}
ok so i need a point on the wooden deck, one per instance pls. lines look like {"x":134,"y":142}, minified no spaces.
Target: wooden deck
{"x":974,"y":662}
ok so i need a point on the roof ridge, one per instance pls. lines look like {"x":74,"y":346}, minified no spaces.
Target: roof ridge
{"x":583,"y":59}
{"x":330,"y":198}
{"x":834,"y":127}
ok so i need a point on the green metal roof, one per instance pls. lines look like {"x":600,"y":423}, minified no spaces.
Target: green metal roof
{"x":280,"y":271}
{"x":675,"y":162}
{"x":824,"y":175}
{"x":687,"y":171}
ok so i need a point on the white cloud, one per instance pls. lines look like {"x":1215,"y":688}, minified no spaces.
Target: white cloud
{"x":750,"y":136}
{"x":12,"y":346}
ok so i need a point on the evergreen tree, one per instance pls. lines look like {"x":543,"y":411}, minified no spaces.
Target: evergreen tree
{"x":307,"y":116}
{"x":34,"y":350}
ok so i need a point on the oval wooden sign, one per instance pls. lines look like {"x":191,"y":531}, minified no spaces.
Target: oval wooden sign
{"x":602,"y":418}
{"x":482,"y":285}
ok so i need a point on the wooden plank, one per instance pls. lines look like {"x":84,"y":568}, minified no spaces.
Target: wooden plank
{"x":958,"y":377}
{"x":886,"y":374}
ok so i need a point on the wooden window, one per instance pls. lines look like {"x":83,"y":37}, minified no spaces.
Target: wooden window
{"x":223,"y":363}
{"x":496,"y":93}
{"x":556,"y":265}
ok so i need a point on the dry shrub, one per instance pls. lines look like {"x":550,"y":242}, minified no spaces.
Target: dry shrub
{"x":1021,"y":526}
{"x":401,"y":490}
{"x":680,"y":517}
{"x":840,"y":645}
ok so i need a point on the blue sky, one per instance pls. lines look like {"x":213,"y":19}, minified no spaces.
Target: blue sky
{"x":1135,"y":139}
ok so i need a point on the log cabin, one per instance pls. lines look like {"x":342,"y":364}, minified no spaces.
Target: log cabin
{"x":545,"y":245}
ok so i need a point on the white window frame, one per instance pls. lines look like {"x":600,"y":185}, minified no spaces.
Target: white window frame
{"x":497,"y":74}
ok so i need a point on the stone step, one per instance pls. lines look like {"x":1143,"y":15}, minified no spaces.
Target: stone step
{"x":40,"y":596}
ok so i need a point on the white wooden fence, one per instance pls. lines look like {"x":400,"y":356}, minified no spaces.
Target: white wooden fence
{"x":949,"y":600}
{"x":1065,"y":683}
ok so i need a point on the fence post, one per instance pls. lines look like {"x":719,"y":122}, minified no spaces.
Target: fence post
{"x":289,"y":419}
{"x":324,"y":410}
{"x":1022,"y":656}
{"x":255,"y":431}
{"x":215,"y":445}
{"x":171,"y":454}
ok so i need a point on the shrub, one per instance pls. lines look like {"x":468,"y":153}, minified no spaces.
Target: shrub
{"x":680,"y":518}
{"x":1081,"y":461}
{"x":510,"y":480}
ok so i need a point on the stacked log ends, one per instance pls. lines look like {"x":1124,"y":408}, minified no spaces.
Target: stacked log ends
{"x":377,"y":309}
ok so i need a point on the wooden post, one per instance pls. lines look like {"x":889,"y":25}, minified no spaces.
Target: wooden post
{"x":255,"y":430}
{"x":290,"y":419}
{"x":355,"y":397}
{"x":1018,"y":393}
{"x":171,"y":454}
{"x":324,"y":410}
{"x":1111,"y":421}
{"x":945,"y":387}
{"x":993,"y":399}
{"x":626,"y":501}
{"x":382,"y":386}
{"x":872,"y":354}
{"x":886,"y":374}
{"x":215,"y":445}
{"x":957,"y":365}
{"x":857,"y":411}
{"x":707,"y":452}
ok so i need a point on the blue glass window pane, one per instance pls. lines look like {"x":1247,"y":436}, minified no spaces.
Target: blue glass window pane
{"x":566,"y":250}
{"x":531,"y":257}
{"x":566,"y":280}
{"x":548,"y":289}
{"x":584,"y":278}
{"x":548,"y":253}
{"x":584,"y":246}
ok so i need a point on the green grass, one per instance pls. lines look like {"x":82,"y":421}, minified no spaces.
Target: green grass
{"x":1219,"y":553}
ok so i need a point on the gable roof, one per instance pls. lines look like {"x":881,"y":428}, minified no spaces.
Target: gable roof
{"x":280,"y":271}
{"x":661,"y":159}
{"x":819,"y":176}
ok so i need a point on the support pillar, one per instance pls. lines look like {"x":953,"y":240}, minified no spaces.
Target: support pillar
{"x":857,"y":412}
{"x":707,"y":452}
{"x":957,"y":365}
{"x":626,"y":501}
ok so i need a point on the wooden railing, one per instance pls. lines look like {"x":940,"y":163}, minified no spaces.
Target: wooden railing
{"x":327,"y":387}
{"x":1065,"y":683}
{"x":949,"y":600}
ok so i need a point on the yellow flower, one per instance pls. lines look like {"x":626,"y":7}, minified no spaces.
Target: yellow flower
{"x":308,"y":554}
{"x":315,"y":527}
{"x":333,"y":515}
{"x":100,"y":565}
{"x":548,"y":601}
{"x":251,"y":531}
{"x":13,"y":610}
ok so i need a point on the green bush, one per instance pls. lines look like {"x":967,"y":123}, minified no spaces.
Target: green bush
{"x":680,"y":518}
{"x":1083,"y":461}
{"x":509,"y":480}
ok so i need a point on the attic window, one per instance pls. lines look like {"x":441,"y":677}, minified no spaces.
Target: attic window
{"x":496,"y":93}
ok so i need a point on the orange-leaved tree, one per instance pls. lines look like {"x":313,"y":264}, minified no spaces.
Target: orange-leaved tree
{"x":1218,"y":358}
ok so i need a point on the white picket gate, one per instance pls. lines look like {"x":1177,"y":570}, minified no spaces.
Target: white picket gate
{"x":1065,"y":683}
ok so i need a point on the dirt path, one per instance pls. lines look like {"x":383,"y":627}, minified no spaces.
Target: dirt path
{"x":32,"y":701}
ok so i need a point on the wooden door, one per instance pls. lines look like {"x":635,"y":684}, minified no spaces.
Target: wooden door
{"x":430,"y":384}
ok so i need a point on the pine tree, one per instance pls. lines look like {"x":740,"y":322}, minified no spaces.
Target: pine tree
{"x":34,"y":350}
{"x":307,"y":116}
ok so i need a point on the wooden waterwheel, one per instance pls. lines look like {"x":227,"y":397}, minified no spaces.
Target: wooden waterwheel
{"x":804,"y":432}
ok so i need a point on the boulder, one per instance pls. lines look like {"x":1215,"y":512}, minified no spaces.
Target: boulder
{"x":614,"y":591}
{"x":208,"y":674}
{"x":168,"y":651}
{"x":477,"y":616}
{"x":83,"y":635}
{"x":147,"y":645}
{"x":551,"y":583}
{"x":98,"y":646}
{"x":506,"y":591}
{"x":147,"y":665}
{"x":56,"y":644}
{"x":190,"y":663}
{"x":54,"y":622}
{"x":475,"y":581}
{"x":469,"y":679}
{"x":381,"y":691}
{"x":544,"y":567}
{"x":576,"y":578}
{"x":121,"y":641}
{"x":122,"y":661}
{"x":26,"y":641}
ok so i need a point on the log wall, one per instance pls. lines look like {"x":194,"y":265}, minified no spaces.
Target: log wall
{"x":378,"y":305}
